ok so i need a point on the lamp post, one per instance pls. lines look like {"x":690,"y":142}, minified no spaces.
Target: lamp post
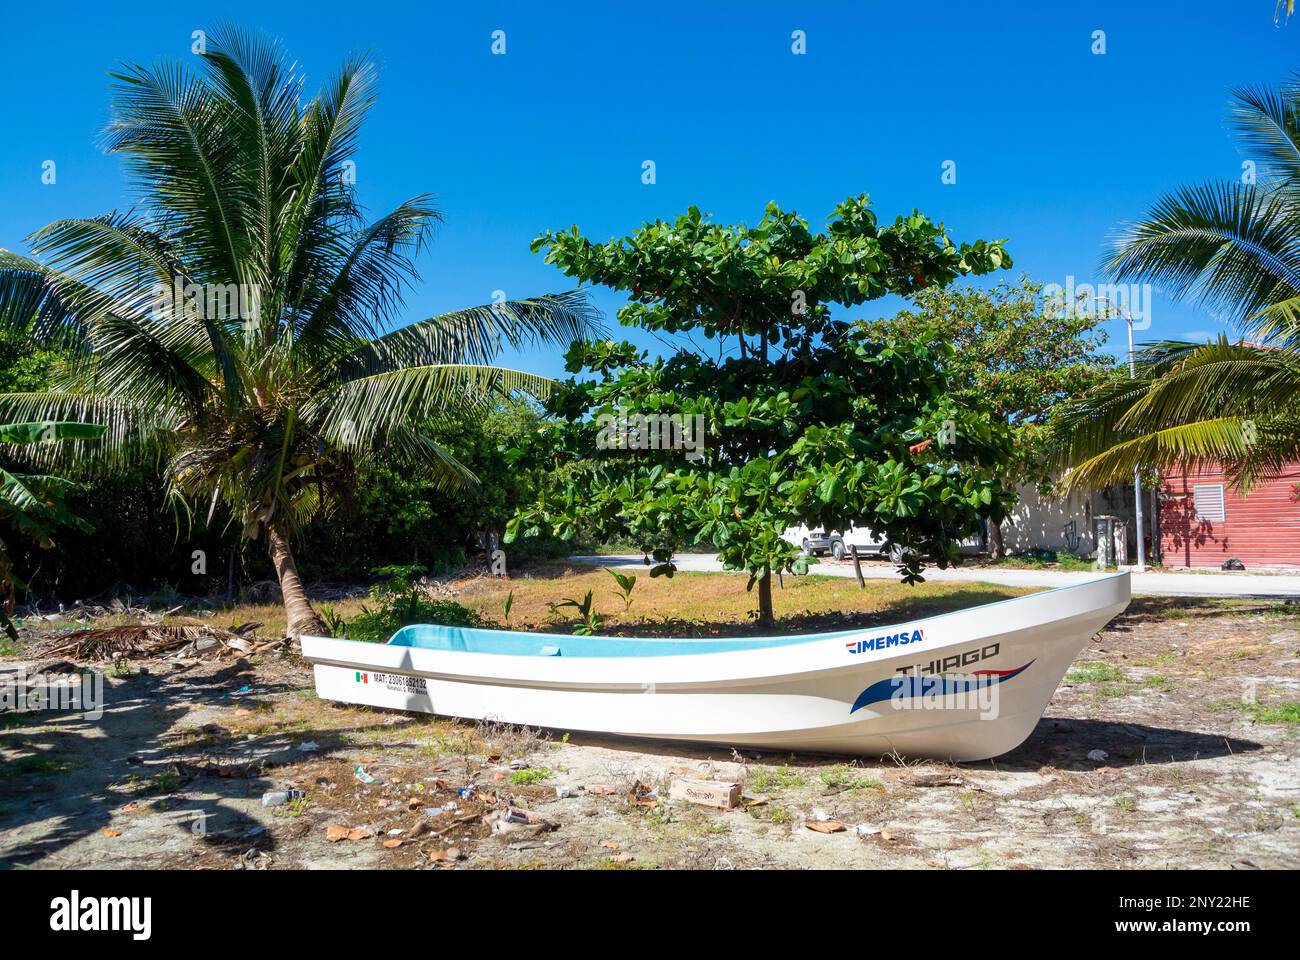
{"x":1137,"y":473}
{"x":1141,"y":565}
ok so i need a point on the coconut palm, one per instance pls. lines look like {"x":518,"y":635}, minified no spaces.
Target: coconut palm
{"x":1233,"y":247}
{"x":238,"y":321}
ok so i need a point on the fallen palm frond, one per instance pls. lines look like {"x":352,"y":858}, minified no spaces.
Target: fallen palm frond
{"x":149,"y":640}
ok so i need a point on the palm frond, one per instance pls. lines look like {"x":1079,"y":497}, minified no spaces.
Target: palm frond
{"x":477,"y":334}
{"x":362,"y":413}
{"x":1231,"y":246}
{"x":1268,"y":124}
{"x":171,"y":131}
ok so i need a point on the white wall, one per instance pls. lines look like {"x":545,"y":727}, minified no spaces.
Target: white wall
{"x":1066,"y":523}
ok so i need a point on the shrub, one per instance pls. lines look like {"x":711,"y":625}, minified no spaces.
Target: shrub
{"x":400,"y":602}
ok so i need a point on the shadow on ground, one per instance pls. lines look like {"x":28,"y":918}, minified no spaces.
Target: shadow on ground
{"x":64,"y":776}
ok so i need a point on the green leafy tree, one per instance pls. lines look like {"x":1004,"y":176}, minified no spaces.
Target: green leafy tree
{"x":237,"y":322}
{"x":793,"y":416}
{"x":1015,"y":352}
{"x":1233,"y":247}
{"x":34,"y":505}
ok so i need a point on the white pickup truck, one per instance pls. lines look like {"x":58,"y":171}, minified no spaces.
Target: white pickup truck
{"x":840,"y":543}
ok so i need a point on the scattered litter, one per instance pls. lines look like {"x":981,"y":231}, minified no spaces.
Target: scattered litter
{"x":518,"y":764}
{"x":278,"y":798}
{"x":825,"y":826}
{"x":360,"y":773}
{"x":820,"y":815}
{"x":639,"y":795}
{"x":392,"y":844}
{"x":334,"y":833}
{"x":444,"y":856}
{"x":865,"y":830}
{"x":610,"y":844}
{"x":465,"y":792}
{"x":244,"y":689}
{"x":1099,"y":755}
{"x":513,"y":820}
{"x":601,"y":791}
{"x":308,"y":746}
{"x":563,"y":793}
{"x":109,"y":832}
{"x":754,"y":801}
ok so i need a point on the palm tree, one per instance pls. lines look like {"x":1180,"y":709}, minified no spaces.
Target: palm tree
{"x":238,"y":321}
{"x":1235,"y":248}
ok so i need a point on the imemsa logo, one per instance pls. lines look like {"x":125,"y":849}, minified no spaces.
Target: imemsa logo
{"x":883,"y":643}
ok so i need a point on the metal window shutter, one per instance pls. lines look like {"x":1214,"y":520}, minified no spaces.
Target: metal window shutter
{"x":1208,"y":498}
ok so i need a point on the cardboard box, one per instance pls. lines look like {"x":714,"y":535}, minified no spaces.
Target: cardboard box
{"x":707,"y":793}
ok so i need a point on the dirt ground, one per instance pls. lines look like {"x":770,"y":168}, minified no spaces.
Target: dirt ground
{"x":1196,"y":705}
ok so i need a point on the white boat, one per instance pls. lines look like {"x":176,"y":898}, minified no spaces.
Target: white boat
{"x":966,"y":685}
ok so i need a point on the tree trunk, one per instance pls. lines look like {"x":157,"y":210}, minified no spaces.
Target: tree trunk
{"x":997,"y":547}
{"x":302,"y":618}
{"x":765,"y":618}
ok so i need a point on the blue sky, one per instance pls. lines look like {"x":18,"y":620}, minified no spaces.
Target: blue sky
{"x":1054,"y":145}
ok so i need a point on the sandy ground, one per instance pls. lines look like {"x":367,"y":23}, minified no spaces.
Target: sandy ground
{"x":1189,"y":700}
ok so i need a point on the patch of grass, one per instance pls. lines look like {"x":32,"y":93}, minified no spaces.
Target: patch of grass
{"x":1287,"y":712}
{"x":530,"y":775}
{"x":34,"y":765}
{"x":845,"y":777}
{"x":1042,"y":560}
{"x":9,"y":648}
{"x":765,"y":780}
{"x":780,"y":815}
{"x":1127,"y":804}
{"x":1096,"y":672}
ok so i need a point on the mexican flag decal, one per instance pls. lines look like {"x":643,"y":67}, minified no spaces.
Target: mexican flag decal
{"x":363,"y":677}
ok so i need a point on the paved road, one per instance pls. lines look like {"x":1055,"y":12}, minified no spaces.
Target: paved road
{"x":1150,"y":584}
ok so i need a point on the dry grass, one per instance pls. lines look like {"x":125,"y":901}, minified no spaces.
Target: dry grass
{"x":714,"y":603}
{"x":688,"y":604}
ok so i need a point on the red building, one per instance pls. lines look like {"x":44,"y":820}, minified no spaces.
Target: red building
{"x":1204,"y":521}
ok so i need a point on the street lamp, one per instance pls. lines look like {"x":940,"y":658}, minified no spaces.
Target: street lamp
{"x":1141,"y":566}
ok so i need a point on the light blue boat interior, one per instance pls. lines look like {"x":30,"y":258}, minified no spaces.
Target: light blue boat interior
{"x":519,"y":644}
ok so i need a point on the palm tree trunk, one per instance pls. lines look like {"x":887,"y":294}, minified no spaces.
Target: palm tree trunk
{"x":302,"y":618}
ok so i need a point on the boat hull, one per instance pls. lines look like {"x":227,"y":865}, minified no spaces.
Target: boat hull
{"x":963,"y":686}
